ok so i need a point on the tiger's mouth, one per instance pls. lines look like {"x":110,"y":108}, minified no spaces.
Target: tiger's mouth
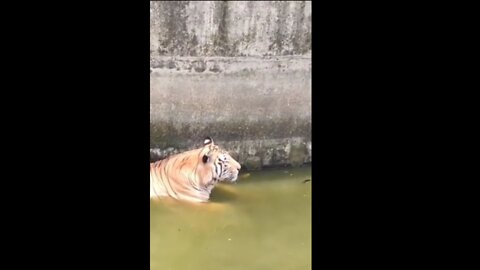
{"x":231,"y":178}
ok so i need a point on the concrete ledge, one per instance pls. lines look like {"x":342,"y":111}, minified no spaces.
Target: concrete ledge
{"x":163,"y":65}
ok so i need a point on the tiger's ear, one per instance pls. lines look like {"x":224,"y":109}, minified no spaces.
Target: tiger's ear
{"x":207,"y":141}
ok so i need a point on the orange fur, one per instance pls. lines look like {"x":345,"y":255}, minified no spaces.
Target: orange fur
{"x":192,"y":175}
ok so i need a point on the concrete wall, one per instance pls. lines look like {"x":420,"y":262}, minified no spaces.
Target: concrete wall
{"x":233,"y":28}
{"x":239,"y":72}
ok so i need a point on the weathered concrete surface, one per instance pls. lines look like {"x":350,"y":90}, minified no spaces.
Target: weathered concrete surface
{"x":239,"y":72}
{"x":233,"y":28}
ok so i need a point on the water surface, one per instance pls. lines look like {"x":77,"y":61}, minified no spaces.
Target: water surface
{"x":261,"y":222}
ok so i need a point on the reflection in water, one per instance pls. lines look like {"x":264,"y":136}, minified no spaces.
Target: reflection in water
{"x":262,"y":222}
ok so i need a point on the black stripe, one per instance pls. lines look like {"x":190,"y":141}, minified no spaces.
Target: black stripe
{"x":219,"y":175}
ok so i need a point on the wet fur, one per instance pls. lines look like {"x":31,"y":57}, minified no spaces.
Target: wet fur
{"x":192,"y":175}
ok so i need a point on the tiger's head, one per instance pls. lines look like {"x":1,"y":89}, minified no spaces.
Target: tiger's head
{"x":223,"y":167}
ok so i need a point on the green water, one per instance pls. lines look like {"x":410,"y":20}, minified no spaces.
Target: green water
{"x":262,"y":222}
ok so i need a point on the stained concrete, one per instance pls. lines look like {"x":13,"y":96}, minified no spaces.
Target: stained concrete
{"x":230,"y":28}
{"x":239,"y":72}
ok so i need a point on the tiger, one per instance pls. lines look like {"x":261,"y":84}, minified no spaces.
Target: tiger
{"x":191,"y":175}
